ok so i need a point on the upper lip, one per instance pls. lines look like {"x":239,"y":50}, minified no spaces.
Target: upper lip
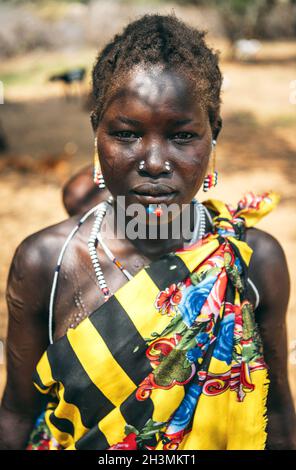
{"x":153,"y":189}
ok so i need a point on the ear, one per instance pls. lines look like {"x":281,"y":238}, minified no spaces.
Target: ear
{"x":217,"y":127}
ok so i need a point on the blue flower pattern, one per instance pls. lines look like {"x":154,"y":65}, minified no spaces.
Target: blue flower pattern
{"x":194,"y":354}
{"x":184,"y":412}
{"x":193,"y":299}
{"x":224,"y":342}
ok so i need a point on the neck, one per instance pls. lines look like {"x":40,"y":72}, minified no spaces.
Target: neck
{"x":154,"y":249}
{"x":154,"y":242}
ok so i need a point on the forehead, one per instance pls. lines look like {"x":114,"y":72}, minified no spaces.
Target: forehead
{"x":154,"y":89}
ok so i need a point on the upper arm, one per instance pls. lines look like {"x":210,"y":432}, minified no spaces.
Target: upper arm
{"x":27,"y":326}
{"x":26,"y":341}
{"x":269,"y":271}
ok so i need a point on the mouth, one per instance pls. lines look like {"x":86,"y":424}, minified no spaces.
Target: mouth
{"x":154,"y":193}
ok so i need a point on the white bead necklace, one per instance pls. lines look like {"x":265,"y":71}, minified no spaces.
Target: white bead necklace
{"x":96,"y":237}
{"x":100,"y":211}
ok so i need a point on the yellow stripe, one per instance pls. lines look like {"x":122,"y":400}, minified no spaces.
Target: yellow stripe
{"x":113,"y":426}
{"x":66,"y":410}
{"x":63,"y":438}
{"x":63,"y":410}
{"x":99,"y":364}
{"x":41,"y":390}
{"x":140,"y":308}
{"x":44,"y":371}
{"x":244,"y":249}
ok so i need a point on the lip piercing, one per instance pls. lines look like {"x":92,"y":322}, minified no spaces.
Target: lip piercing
{"x":154,"y":209}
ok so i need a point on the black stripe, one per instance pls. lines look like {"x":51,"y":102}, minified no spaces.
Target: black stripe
{"x":94,"y":439}
{"x":37,"y":380}
{"x":63,"y":425}
{"x":79,"y":389}
{"x":161,"y":273}
{"x":123,"y":339}
{"x":135,"y":412}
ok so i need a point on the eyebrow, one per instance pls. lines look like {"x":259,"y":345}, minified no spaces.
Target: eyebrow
{"x":127,"y":120}
{"x":134,"y":122}
{"x":182,"y":122}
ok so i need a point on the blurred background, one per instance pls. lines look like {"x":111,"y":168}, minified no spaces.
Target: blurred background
{"x":47,"y":49}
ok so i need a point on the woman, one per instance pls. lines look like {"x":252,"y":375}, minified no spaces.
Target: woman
{"x":154,"y":341}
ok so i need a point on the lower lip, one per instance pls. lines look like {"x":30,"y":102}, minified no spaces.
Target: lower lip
{"x":161,"y":198}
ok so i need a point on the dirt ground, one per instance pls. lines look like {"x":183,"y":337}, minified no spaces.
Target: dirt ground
{"x":50,"y":138}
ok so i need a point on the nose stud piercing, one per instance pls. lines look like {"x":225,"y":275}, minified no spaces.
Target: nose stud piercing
{"x":141,"y":165}
{"x":167,"y":165}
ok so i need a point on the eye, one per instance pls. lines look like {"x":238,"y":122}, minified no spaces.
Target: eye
{"x":183,"y":136}
{"x":126,"y":135}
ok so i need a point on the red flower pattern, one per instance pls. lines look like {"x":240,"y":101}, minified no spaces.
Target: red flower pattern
{"x":128,"y":443}
{"x":167,"y":299}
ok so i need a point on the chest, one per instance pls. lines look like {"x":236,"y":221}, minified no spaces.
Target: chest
{"x":78,"y":291}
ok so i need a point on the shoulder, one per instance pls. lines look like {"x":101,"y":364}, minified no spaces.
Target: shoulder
{"x":268,"y":267}
{"x":35,"y":258}
{"x":266,"y":247}
{"x":39,"y":247}
{"x":267,"y":250}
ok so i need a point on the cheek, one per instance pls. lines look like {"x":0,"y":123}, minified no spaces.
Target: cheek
{"x":192,"y":169}
{"x":115,"y":161}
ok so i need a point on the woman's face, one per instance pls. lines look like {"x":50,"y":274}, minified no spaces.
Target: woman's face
{"x":154,"y":117}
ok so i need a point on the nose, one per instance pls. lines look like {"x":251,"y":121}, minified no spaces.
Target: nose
{"x":155,"y":164}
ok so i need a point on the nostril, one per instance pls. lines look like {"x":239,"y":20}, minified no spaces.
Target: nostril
{"x":154,"y":168}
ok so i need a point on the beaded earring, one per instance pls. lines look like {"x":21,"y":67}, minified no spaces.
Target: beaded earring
{"x":211,"y":179}
{"x":98,"y":177}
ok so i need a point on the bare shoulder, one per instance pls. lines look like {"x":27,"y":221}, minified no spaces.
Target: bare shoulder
{"x":34,"y":261}
{"x":264,"y":244}
{"x":39,"y":248}
{"x":268,"y":268}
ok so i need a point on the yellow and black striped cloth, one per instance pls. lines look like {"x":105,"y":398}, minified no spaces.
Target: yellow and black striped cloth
{"x":97,"y":367}
{"x":94,"y":371}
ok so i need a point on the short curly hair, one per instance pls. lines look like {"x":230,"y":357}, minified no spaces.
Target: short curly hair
{"x":165,"y":40}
